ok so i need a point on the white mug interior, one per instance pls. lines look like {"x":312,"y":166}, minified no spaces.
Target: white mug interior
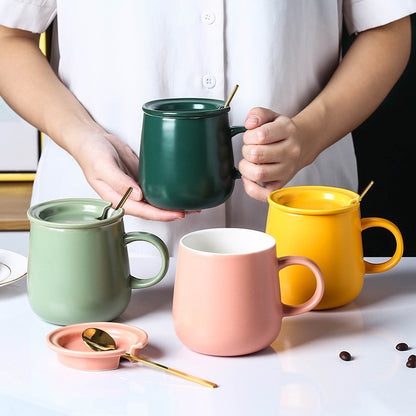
{"x":227,"y":241}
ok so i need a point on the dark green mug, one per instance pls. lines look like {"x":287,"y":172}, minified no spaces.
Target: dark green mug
{"x":78,"y":266}
{"x":186,"y":154}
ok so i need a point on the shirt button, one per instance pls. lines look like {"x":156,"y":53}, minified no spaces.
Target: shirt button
{"x":208,"y":17}
{"x":208,"y":81}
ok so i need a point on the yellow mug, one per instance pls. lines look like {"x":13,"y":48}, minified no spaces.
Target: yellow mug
{"x":323,"y":223}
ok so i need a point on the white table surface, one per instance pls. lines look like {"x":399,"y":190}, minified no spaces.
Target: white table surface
{"x":299,"y":374}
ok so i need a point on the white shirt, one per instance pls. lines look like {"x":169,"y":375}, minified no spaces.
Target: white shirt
{"x":116,"y":55}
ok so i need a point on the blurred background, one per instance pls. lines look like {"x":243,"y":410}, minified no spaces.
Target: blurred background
{"x":385,"y":146}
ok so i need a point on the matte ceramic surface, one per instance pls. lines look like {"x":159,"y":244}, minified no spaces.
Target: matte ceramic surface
{"x":78,"y":268}
{"x":72,"y":352}
{"x":13,"y":267}
{"x":317,"y":222}
{"x":227,"y":300}
{"x":299,"y":374}
{"x":186,"y":155}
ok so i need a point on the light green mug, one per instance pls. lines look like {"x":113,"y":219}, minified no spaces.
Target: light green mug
{"x":78,"y":266}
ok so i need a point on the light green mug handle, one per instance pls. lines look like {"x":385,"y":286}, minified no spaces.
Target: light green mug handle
{"x":233,"y":131}
{"x":136,"y":283}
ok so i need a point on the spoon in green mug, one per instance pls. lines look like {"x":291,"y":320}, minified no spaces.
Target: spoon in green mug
{"x":227,"y":103}
{"x":119,"y":205}
{"x":99,"y":340}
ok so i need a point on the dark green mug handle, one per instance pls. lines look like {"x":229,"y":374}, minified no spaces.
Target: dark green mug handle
{"x":136,"y":283}
{"x":236,"y":130}
{"x":233,"y":131}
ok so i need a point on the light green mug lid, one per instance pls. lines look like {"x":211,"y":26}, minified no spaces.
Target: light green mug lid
{"x":73,"y":213}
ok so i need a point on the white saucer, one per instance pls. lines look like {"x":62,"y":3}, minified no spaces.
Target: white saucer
{"x":13,"y":266}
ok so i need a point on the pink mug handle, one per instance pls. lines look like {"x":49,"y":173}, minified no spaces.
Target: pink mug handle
{"x":289,"y":310}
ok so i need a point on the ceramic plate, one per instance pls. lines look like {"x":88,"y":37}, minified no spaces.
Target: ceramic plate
{"x":13,"y":266}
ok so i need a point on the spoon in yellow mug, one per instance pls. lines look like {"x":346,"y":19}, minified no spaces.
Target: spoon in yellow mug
{"x":99,"y":340}
{"x":360,"y":197}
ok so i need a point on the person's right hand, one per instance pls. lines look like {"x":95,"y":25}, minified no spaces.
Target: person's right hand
{"x":110,"y":167}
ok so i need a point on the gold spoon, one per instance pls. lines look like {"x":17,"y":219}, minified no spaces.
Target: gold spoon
{"x":227,"y":103}
{"x":360,"y":197}
{"x":119,"y":205}
{"x":99,"y":340}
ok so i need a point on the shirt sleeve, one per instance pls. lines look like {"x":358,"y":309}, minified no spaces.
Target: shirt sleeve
{"x":31,"y":15}
{"x":361,"y":15}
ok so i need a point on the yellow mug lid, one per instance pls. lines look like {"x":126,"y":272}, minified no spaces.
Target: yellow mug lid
{"x":314,"y":200}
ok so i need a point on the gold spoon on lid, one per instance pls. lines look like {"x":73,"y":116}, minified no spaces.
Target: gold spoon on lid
{"x":99,"y":340}
{"x":119,"y":205}
{"x":360,"y":197}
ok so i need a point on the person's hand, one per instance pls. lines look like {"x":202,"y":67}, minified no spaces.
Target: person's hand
{"x":110,"y":167}
{"x":273,"y":152}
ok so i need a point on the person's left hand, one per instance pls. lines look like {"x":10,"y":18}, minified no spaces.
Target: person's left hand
{"x":272,"y":152}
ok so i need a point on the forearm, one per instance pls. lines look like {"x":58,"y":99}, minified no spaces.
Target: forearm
{"x":29,"y":85}
{"x":365,"y":76}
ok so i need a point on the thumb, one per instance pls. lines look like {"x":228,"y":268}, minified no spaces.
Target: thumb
{"x":258,"y":116}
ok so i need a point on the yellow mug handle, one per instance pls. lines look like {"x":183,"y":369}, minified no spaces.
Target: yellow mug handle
{"x":383,"y":223}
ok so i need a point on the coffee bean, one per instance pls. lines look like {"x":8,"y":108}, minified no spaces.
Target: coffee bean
{"x":402,"y":346}
{"x":345,"y":356}
{"x":412,"y":358}
{"x":411,"y":363}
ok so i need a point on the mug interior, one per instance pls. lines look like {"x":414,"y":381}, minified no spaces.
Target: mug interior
{"x":228,"y":241}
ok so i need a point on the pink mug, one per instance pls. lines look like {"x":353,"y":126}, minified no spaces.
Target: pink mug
{"x":227,"y":295}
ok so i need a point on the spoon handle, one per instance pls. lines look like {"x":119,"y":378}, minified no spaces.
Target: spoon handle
{"x":231,"y":96}
{"x":170,"y":370}
{"x":124,"y":199}
{"x":366,"y":190}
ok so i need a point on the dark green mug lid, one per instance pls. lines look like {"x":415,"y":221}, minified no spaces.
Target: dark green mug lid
{"x":185,"y":107}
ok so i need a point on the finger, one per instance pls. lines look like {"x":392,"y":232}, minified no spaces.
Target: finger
{"x":264,"y":172}
{"x":285,"y":151}
{"x":279,"y":129}
{"x":137,"y":208}
{"x":261,"y":153}
{"x":259,"y":192}
{"x":114,"y":187}
{"x":146,"y":211}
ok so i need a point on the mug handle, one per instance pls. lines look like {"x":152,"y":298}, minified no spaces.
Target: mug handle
{"x":289,"y":310}
{"x":236,"y":130}
{"x":136,"y":283}
{"x":383,"y":223}
{"x":233,"y":131}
